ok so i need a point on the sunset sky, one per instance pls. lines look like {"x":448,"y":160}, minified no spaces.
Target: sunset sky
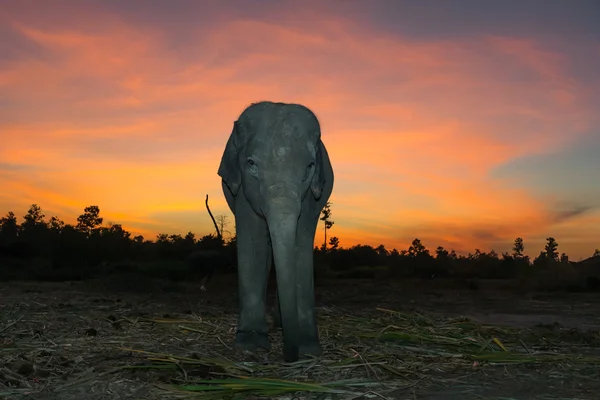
{"x":463,"y":123}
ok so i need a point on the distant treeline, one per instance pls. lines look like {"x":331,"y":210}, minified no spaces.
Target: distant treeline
{"x":90,"y":246}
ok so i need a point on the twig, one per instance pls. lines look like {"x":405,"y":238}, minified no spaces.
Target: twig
{"x":213,"y":219}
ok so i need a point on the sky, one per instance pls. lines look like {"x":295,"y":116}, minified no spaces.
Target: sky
{"x":463,"y":123}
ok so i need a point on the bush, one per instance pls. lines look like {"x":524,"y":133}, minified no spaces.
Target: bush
{"x":363,"y":272}
{"x":356,"y":273}
{"x":554,"y":276}
{"x":40,"y":269}
{"x":172,"y":270}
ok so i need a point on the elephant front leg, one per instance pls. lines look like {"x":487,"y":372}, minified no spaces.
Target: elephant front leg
{"x":307,"y":320}
{"x":308,"y":334}
{"x":253,"y":255}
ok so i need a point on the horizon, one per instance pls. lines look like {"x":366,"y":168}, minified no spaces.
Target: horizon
{"x":465,"y":125}
{"x":199,"y":236}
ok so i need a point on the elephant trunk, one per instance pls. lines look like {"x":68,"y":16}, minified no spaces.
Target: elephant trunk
{"x":282,"y":228}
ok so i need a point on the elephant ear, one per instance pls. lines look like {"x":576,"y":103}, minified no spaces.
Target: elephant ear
{"x":318,"y":179}
{"x":229,"y":169}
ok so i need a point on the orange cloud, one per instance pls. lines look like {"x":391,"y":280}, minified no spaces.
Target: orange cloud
{"x":118,"y":115}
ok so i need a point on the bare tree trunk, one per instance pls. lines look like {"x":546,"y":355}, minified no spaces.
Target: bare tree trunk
{"x":213,"y":220}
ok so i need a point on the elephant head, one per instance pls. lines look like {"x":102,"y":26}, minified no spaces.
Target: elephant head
{"x":274,"y":159}
{"x":274,"y":147}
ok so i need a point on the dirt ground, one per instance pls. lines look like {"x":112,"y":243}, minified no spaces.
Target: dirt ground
{"x":409,"y":340}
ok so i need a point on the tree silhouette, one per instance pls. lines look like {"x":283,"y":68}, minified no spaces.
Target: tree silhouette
{"x":441,"y":254}
{"x":417,"y":249}
{"x":34,"y":230}
{"x":334,"y":243}
{"x":9,"y":228}
{"x":90,"y":220}
{"x":518,"y":248}
{"x":113,"y":243}
{"x":326,"y":218}
{"x":190,"y":237}
{"x":222,"y":224}
{"x":551,"y":249}
{"x":33,"y":218}
{"x":56,"y":224}
{"x":57,"y":250}
{"x":381,"y":251}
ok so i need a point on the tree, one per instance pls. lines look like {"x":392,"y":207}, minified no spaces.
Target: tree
{"x":541,"y":260}
{"x":190,"y":237}
{"x":551,"y":249}
{"x":9,"y":228}
{"x":222,"y":224}
{"x":33,"y":218}
{"x":443,"y":259}
{"x":34,"y":230}
{"x":518,"y":248}
{"x":175,"y":239}
{"x":418,"y":261}
{"x":210,"y":242}
{"x":90,"y":242}
{"x":475,"y":256}
{"x":110,"y":243}
{"x":326,"y":218}
{"x":441,"y":254}
{"x":56,"y":225}
{"x":417,"y":249}
{"x":334,"y":243}
{"x":90,"y":220}
{"x":117,"y":231}
{"x":163,"y":245}
{"x":162,"y":238}
{"x":381,"y":251}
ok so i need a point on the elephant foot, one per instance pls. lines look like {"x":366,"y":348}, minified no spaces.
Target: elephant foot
{"x":310,"y":348}
{"x":251,"y":341}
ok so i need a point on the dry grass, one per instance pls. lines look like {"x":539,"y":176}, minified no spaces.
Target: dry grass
{"x":73,"y":342}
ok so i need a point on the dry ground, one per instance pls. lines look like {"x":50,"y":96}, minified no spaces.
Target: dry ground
{"x":128,"y":338}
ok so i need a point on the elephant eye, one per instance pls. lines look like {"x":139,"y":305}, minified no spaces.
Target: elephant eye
{"x":252,"y":167}
{"x":309,"y":169}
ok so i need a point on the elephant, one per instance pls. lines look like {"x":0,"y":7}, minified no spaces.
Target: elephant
{"x":276,"y":178}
